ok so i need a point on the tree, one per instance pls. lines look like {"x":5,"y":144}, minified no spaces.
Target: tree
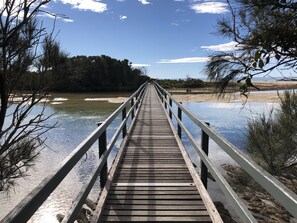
{"x":265,"y":33}
{"x":21,"y":130}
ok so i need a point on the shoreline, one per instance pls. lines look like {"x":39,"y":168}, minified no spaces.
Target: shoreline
{"x":268,"y":93}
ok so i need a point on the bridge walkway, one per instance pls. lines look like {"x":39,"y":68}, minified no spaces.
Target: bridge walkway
{"x":152,"y":178}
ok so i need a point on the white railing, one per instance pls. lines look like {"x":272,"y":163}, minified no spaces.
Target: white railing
{"x":29,"y":205}
{"x":280,"y":192}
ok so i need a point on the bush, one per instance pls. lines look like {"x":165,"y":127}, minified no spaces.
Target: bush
{"x":272,"y":139}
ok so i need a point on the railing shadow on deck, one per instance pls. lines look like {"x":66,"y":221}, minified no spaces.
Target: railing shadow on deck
{"x":30,"y":204}
{"x":280,"y":192}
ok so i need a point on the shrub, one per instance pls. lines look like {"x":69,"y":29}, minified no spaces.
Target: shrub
{"x":272,"y":139}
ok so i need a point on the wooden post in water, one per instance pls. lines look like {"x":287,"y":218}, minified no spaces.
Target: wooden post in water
{"x":179,"y":115}
{"x":102,"y":149}
{"x":124,"y":114}
{"x":205,"y":146}
{"x":170,"y":112}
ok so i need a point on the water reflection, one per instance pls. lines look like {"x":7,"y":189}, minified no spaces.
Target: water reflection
{"x":77,"y":118}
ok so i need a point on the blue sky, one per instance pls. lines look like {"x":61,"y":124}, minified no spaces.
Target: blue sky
{"x":170,"y":38}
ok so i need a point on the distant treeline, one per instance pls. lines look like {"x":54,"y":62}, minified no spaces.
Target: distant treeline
{"x":88,"y":73}
{"x":181,"y":83}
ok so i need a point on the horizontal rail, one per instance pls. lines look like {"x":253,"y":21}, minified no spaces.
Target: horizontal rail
{"x":85,"y":190}
{"x":279,"y":191}
{"x":28,"y":206}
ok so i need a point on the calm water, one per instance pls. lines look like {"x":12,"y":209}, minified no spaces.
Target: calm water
{"x":77,"y":118}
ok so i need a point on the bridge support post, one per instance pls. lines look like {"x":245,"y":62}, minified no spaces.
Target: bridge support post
{"x":102,"y":149}
{"x":205,"y":146}
{"x":124,"y":114}
{"x":136,"y":105}
{"x":132,"y":103}
{"x":165,"y":100}
{"x":179,"y":115}
{"x":170,"y":112}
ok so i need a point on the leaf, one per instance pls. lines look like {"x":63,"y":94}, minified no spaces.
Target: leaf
{"x":261,"y":63}
{"x":254,"y":64}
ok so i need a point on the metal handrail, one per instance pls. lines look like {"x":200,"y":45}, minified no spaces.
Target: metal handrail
{"x":280,"y":192}
{"x":28,"y":206}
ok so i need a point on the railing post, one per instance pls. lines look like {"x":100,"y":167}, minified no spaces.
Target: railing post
{"x":205,"y":146}
{"x":165,"y":100}
{"x":179,"y":115}
{"x":102,"y":149}
{"x":170,"y":104}
{"x":124,"y":114}
{"x":132,"y":103}
{"x":136,"y":97}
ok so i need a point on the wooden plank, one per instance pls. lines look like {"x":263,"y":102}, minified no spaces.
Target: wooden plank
{"x":155,"y":202}
{"x":152,"y":181}
{"x":155,"y":207}
{"x":152,"y":197}
{"x":156,"y":219}
{"x":151,"y":192}
{"x":155,"y":213}
{"x":153,"y":188}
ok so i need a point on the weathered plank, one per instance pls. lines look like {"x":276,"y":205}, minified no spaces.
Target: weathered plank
{"x":152,"y":181}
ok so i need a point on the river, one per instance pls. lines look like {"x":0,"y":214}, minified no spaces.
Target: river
{"x":77,"y":116}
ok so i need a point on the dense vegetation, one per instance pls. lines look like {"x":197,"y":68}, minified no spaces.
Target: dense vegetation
{"x":90,"y":73}
{"x":181,"y":83}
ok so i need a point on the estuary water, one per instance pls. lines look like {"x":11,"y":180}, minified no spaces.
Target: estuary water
{"x":77,"y":116}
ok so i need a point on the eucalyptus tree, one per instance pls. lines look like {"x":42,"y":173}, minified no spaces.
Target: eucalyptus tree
{"x":265,"y":33}
{"x":24,"y":42}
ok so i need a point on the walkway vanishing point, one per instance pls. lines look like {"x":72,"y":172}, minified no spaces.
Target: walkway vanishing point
{"x":154,"y":179}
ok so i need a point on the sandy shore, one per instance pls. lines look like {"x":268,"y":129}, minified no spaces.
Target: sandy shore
{"x":267,"y":93}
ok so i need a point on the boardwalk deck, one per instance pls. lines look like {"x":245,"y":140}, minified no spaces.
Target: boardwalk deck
{"x":153,"y":178}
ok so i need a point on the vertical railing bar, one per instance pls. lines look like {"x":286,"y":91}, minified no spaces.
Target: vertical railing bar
{"x":205,"y":146}
{"x":102,"y":148}
{"x":124,"y":113}
{"x":179,"y":115}
{"x":170,"y":104}
{"x":132,"y":104}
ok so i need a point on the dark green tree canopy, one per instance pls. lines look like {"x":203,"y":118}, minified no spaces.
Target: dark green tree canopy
{"x":266,"y":35}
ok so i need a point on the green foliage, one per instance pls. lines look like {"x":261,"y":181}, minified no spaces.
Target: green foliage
{"x":93,"y":73}
{"x":181,"y":83}
{"x":263,"y":30}
{"x":272,"y":139}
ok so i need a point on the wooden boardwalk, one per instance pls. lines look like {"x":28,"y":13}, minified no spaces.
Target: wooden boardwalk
{"x":152,"y":178}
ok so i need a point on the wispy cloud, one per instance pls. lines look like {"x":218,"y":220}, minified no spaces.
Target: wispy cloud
{"x":123,"y":17}
{"x":140,"y":65}
{"x":210,"y":7}
{"x":57,"y":17}
{"x":223,"y":47}
{"x":179,"y":0}
{"x":144,"y":2}
{"x":174,"y":24}
{"x":87,"y":5}
{"x":185,"y":60}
